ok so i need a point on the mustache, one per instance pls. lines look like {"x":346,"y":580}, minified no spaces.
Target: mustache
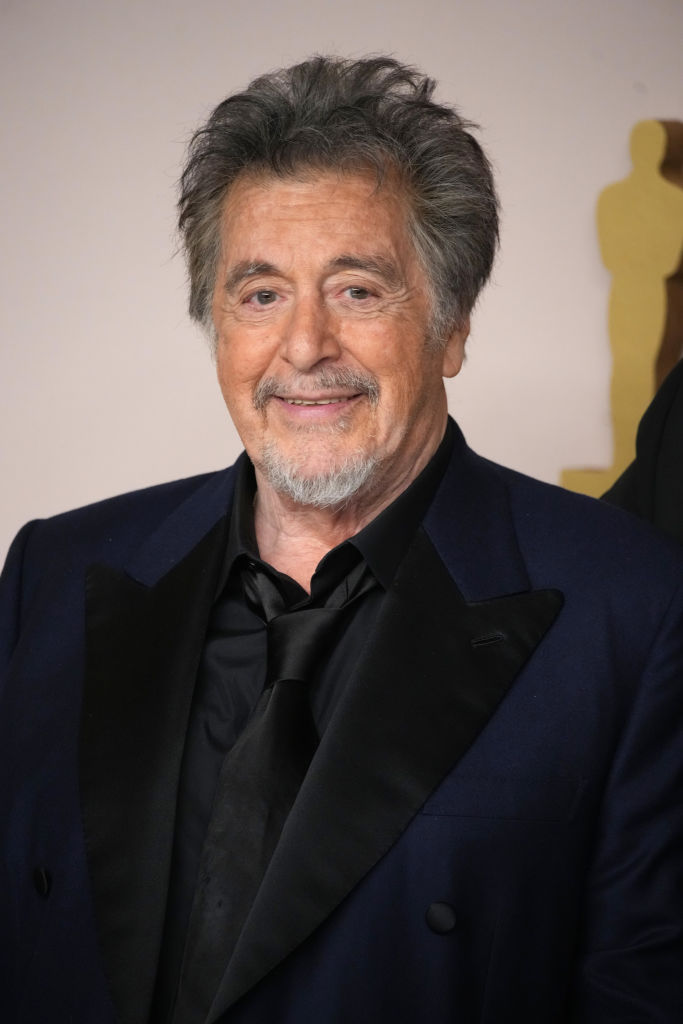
{"x":329,"y":379}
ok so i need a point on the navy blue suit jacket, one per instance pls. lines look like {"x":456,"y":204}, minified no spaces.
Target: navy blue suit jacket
{"x":509,"y":749}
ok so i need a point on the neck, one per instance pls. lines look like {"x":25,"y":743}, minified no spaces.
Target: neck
{"x":294,"y":538}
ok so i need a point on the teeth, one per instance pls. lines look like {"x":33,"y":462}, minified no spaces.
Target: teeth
{"x":320,"y":401}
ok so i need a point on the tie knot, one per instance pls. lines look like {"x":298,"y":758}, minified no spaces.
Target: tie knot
{"x":298,"y":636}
{"x":296,"y":641}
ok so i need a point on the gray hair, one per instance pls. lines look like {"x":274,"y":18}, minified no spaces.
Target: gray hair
{"x":371,"y":114}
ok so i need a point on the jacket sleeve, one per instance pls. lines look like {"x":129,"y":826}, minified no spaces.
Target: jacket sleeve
{"x":631,"y":956}
{"x":11,"y":587}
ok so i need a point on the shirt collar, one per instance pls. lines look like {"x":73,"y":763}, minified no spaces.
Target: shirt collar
{"x":384,"y":541}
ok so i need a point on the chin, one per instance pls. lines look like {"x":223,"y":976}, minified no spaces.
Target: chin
{"x":331,"y":487}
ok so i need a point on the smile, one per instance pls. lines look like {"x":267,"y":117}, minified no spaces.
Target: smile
{"x":314,"y":401}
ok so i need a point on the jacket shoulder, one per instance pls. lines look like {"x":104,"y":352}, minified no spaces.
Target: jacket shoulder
{"x":582,"y":535}
{"x":108,"y":529}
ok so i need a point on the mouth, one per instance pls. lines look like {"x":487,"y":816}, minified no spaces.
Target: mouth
{"x":310,"y":410}
{"x":317,"y":401}
{"x":336,"y":386}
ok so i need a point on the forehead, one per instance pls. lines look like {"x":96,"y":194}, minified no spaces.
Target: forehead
{"x":318,"y":211}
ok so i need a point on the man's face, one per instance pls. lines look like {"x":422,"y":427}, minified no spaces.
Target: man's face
{"x":322,"y":317}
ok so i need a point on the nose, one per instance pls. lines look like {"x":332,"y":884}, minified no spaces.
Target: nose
{"x":309,"y":335}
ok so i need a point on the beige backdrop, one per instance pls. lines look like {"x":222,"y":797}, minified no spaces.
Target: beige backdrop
{"x":105,"y":384}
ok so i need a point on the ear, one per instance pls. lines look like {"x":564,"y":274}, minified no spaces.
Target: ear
{"x":454,"y":350}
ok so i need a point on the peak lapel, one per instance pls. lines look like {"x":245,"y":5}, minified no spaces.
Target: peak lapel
{"x":434,"y":673}
{"x":143,"y":646}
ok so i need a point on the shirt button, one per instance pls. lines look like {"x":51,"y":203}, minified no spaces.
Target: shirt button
{"x":42,"y":881}
{"x":441,"y":918}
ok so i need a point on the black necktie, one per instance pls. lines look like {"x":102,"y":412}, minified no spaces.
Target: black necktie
{"x":258,"y":783}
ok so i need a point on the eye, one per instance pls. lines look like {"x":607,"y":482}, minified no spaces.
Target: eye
{"x":263,"y":297}
{"x":358,"y":293}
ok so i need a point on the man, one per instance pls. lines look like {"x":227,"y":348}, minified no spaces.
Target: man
{"x":652,"y":486}
{"x":364,"y":728}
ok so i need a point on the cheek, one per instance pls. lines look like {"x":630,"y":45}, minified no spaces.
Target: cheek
{"x":238,"y":365}
{"x":412,"y":388}
{"x":398,"y":399}
{"x":246,"y":360}
{"x":235,"y":389}
{"x":374,"y":350}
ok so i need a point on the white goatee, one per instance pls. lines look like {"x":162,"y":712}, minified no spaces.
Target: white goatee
{"x":318,"y":490}
{"x":287,"y":476}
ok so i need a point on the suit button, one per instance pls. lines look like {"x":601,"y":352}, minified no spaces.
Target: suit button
{"x":441,"y":918}
{"x":42,"y":880}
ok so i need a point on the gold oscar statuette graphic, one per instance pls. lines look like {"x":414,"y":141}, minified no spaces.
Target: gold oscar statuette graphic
{"x":640,"y":228}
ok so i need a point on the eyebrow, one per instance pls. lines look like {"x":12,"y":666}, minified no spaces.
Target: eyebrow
{"x":374,"y":264}
{"x":246,"y":269}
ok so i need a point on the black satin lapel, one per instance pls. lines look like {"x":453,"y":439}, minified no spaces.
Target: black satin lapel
{"x":142,"y":649}
{"x":433,"y":675}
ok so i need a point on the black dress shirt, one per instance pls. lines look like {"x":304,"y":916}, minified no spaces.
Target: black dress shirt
{"x":232,"y":670}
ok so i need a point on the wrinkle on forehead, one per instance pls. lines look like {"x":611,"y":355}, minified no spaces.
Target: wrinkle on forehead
{"x":390,"y":185}
{"x":262,"y":209}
